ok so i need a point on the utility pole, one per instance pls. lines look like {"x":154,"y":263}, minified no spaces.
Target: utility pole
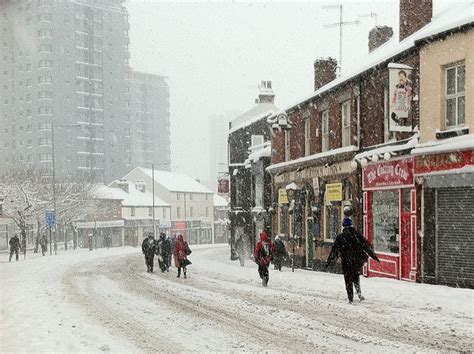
{"x":153,"y":192}
{"x":339,"y":24}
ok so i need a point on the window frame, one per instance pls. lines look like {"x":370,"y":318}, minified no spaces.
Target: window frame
{"x":456,"y":95}
{"x":346,"y":129}
{"x":325,"y":130}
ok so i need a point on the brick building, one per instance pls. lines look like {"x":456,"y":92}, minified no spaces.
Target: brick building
{"x":351,"y":145}
{"x":250,"y":184}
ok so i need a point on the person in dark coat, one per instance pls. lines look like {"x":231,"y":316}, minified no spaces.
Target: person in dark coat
{"x":149,"y":249}
{"x":167,"y":252}
{"x":161,"y":251}
{"x":44,"y":244}
{"x":180,"y":252}
{"x":264,"y":251}
{"x":280,"y":253}
{"x":239,"y":248}
{"x":354,"y":251}
{"x":14,"y":246}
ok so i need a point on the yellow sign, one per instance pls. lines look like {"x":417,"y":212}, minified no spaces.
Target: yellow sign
{"x":334,"y":192}
{"x":282,"y":196}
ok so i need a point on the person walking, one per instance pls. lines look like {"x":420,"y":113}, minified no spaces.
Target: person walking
{"x":90,"y":242}
{"x":44,"y":244}
{"x":354,"y":251}
{"x":161,"y":252}
{"x":239,"y":248}
{"x":280,"y":253}
{"x":167,"y":252}
{"x":149,"y":249}
{"x":14,"y":247}
{"x":180,"y":253}
{"x":264,"y":250}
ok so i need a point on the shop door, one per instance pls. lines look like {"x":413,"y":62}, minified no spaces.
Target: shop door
{"x":405,"y":237}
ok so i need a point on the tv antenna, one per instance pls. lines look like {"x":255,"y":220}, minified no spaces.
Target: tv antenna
{"x":372,"y":15}
{"x":339,"y":24}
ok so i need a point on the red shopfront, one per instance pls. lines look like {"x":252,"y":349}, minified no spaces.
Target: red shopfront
{"x":390,"y":220}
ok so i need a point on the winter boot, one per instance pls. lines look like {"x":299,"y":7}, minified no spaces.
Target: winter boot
{"x":179,"y":273}
{"x":265,"y":281}
{"x":359,"y":292}
{"x":184,"y":274}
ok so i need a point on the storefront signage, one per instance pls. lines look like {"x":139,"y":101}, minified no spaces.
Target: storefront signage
{"x":401,"y":93}
{"x":99,"y":224}
{"x":398,"y":173}
{"x":316,"y":171}
{"x":443,"y":161}
{"x":333,"y":192}
{"x":282,"y":196}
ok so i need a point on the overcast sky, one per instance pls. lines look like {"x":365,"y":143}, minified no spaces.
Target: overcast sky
{"x":215,"y":54}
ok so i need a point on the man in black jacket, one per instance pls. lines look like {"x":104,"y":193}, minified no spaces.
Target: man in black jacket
{"x":14,"y":246}
{"x":354,"y":251}
{"x":148,"y":249}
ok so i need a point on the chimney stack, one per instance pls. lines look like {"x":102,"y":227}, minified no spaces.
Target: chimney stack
{"x":378,"y":36}
{"x":414,"y":14}
{"x":266,"y":94}
{"x":324,"y":71}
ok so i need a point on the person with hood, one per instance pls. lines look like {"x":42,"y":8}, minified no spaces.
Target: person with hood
{"x":167,"y":252}
{"x":148,"y":249}
{"x":180,"y":253}
{"x":354,"y":251}
{"x":264,"y":251}
{"x":14,"y":246}
{"x":239,"y":249}
{"x":280,"y":253}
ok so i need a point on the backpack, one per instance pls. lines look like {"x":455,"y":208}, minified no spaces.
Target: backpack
{"x":264,"y":250}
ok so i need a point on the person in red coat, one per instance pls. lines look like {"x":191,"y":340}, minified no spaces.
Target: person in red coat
{"x":264,"y":251}
{"x":179,"y":254}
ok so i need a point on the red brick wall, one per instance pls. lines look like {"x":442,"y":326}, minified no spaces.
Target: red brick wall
{"x":414,"y":14}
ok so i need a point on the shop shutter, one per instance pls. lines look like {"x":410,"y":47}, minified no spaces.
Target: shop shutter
{"x":456,"y":236}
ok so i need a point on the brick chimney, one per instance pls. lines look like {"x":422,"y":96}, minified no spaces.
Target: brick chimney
{"x":378,"y":36}
{"x":414,"y":14}
{"x":324,"y":71}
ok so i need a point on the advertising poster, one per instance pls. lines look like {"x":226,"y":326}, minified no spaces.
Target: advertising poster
{"x":400,"y":97}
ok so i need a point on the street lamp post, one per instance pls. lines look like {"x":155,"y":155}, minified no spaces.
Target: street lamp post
{"x":53,"y":158}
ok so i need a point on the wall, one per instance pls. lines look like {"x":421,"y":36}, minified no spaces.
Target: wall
{"x":433,"y":57}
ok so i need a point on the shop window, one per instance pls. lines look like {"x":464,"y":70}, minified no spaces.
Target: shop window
{"x":406,"y":200}
{"x":385,"y":209}
{"x":325,"y":131}
{"x":332,"y":222}
{"x":283,"y":227}
{"x":455,"y":95}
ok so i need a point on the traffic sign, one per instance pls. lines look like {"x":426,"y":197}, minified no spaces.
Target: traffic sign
{"x":50,"y":217}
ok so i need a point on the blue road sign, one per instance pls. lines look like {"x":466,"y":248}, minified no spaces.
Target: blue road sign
{"x":50,"y":218}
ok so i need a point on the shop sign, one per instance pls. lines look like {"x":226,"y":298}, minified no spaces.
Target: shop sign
{"x":333,"y":192}
{"x":398,"y":173}
{"x":179,"y":225}
{"x":99,"y":224}
{"x":223,"y":186}
{"x":401,"y":93}
{"x":282,"y":196}
{"x":443,"y":161}
{"x":316,"y":171}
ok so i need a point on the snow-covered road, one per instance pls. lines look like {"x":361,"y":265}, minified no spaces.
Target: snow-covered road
{"x":104,"y":300}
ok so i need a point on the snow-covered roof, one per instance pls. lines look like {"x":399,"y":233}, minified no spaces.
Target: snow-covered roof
{"x":458,"y":143}
{"x":311,"y":158}
{"x":134,"y":197}
{"x":390,"y":148}
{"x":176,"y":182}
{"x":256,"y":155}
{"x":101,"y":191}
{"x":453,"y":18}
{"x":254,"y":114}
{"x":220,"y":201}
